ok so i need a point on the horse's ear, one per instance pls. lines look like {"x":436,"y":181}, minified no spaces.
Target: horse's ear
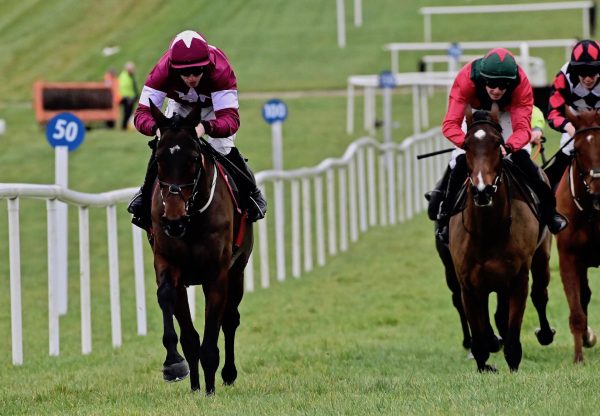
{"x":572,"y":115}
{"x":157,"y":115}
{"x":194,"y":117}
{"x":469,"y":115}
{"x":495,"y":113}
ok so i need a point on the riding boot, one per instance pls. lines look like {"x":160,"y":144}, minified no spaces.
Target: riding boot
{"x":456,"y":179}
{"x":140,"y":204}
{"x":436,"y":195}
{"x":556,"y":170}
{"x":244,"y":178}
{"x":555,"y":221}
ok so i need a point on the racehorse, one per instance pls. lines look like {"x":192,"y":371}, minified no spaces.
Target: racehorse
{"x":578,"y":199}
{"x":196,"y":240}
{"x":494,"y":242}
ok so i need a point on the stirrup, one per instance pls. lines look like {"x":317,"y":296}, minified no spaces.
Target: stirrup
{"x":557,"y":223}
{"x":255,"y":210}
{"x":136,"y":204}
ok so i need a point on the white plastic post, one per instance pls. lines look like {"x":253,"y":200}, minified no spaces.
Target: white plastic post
{"x":277,"y":142}
{"x":307,"y":224}
{"x":140,"y":287}
{"x":331,"y":217}
{"x":319,"y":223}
{"x":84,"y":281}
{"x":113,"y":274}
{"x":341,"y":23}
{"x":295,"y":229}
{"x":53,"y":321}
{"x":16,"y":321}
{"x":357,"y":13}
{"x":61,"y":172}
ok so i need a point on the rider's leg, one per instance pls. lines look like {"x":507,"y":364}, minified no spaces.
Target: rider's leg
{"x":562,"y":159}
{"x":141,"y":202}
{"x":436,"y":195}
{"x":455,"y":181}
{"x":244,"y":178}
{"x":550,"y":217}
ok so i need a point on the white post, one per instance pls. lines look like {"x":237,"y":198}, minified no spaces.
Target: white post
{"x":342,"y":192}
{"x":369,"y":112}
{"x":320,"y":237}
{"x":140,"y":287}
{"x":113,"y":274}
{"x":264,"y":249}
{"x":372,"y":190}
{"x":362,"y":193}
{"x":357,"y":13}
{"x":525,"y":58}
{"x":353,"y":205}
{"x":427,"y":27}
{"x":350,"y":108}
{"x":295,"y":228}
{"x":586,"y":23}
{"x":387,"y":115}
{"x":307,"y":224}
{"x":53,"y":321}
{"x":277,"y":141}
{"x":16,"y":321}
{"x":331,"y":217}
{"x":84,"y":281}
{"x":341,"y":23}
{"x":249,"y":275}
{"x":61,"y":172}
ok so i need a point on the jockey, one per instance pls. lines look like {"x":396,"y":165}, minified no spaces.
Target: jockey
{"x":192,"y":71}
{"x":495,"y":78}
{"x":575,"y":85}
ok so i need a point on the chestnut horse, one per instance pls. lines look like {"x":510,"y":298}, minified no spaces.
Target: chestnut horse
{"x":194,"y":226}
{"x":578,"y":199}
{"x":494,"y":243}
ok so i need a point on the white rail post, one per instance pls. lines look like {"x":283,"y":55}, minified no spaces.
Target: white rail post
{"x":140,"y":287}
{"x":84,"y":280}
{"x":357,"y":13}
{"x":295,"y":188}
{"x":427,"y":27}
{"x":331,"y":217}
{"x":362,"y":194}
{"x":113,"y":273}
{"x":350,"y":107}
{"x":279,"y":229}
{"x":16,"y":321}
{"x":353,"y":203}
{"x":341,"y":23}
{"x":524,"y":51}
{"x":320,"y":237}
{"x":249,"y":275}
{"x":343,"y":189}
{"x":264,"y":248}
{"x":53,"y":321}
{"x":307,"y":225}
{"x":372,"y":186}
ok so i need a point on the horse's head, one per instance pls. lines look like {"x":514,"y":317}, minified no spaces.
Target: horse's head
{"x":587,"y":150}
{"x":178,"y":154}
{"x":484,"y":157}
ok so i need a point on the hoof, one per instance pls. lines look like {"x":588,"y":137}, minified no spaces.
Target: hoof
{"x":545,"y":338}
{"x":488,"y":369}
{"x":589,"y":338}
{"x":229,"y":375}
{"x":176,"y":372}
{"x":470,"y":355}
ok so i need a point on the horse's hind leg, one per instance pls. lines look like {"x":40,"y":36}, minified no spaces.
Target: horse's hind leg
{"x":231,"y":320}
{"x":190,"y":340}
{"x":540,"y":272}
{"x":517,"y":300}
{"x":174,"y":368}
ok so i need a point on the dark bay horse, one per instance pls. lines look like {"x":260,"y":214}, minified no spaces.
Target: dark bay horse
{"x":493,"y":244}
{"x":578,"y":199}
{"x":195,"y":240}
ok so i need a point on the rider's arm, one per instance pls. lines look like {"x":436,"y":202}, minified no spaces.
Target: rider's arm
{"x":142,"y":119}
{"x":520,"y":114}
{"x":461,"y":94}
{"x":558,"y":99}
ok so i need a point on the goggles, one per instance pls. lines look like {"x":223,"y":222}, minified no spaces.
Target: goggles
{"x":587,"y":71}
{"x":191,"y":70}
{"x":501,"y":84}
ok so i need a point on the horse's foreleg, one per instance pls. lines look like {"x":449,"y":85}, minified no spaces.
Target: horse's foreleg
{"x":573,"y":275}
{"x":517,"y":300}
{"x":231,"y":319}
{"x":190,"y":340}
{"x":540,"y":272}
{"x":475,"y":306}
{"x":454,"y":286}
{"x":174,"y":368}
{"x":215,"y":293}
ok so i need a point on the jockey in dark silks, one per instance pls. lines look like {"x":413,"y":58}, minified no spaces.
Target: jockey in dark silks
{"x":192,"y":71}
{"x":576,"y":85}
{"x":495,"y":78}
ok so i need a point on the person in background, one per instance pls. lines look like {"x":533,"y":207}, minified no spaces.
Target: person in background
{"x":494,"y":78}
{"x":192,"y":71}
{"x":537,"y":126}
{"x":576,"y":85}
{"x":128,"y":91}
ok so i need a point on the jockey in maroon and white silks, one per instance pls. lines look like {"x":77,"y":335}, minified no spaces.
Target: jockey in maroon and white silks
{"x":193,"y":72}
{"x":216,"y":90}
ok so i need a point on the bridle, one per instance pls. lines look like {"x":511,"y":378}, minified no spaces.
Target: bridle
{"x":177,"y":189}
{"x":593,"y":174}
{"x":498,"y":128}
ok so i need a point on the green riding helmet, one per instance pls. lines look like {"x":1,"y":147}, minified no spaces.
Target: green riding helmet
{"x":499,"y":63}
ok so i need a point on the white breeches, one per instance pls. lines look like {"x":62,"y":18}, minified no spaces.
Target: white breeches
{"x":221,"y":144}
{"x":568,"y":149}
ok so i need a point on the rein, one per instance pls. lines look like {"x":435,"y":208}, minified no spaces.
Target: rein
{"x":594,"y":173}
